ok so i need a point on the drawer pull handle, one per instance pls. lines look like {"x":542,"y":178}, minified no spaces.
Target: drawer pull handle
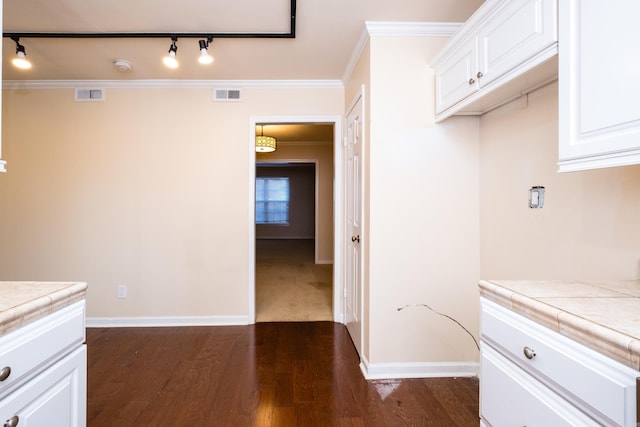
{"x":12,"y":422}
{"x":4,"y":373}
{"x":529,"y":353}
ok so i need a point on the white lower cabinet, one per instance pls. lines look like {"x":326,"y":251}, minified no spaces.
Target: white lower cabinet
{"x":43,"y":371}
{"x":55,"y":398}
{"x":533,"y":376}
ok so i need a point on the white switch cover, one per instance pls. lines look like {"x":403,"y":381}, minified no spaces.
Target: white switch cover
{"x":122,"y":291}
{"x":536,"y":197}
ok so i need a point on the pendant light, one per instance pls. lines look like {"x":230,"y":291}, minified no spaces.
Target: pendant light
{"x":265,"y":144}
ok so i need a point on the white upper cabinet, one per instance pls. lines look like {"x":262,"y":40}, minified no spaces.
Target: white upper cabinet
{"x":599,"y":84}
{"x":496,"y":56}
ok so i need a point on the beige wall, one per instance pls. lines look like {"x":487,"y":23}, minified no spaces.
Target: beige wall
{"x":421,"y":195}
{"x":149,"y":189}
{"x":322,"y":154}
{"x":589,"y":226}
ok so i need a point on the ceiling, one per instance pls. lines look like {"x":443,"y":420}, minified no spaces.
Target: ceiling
{"x":297,"y":132}
{"x":327,"y":33}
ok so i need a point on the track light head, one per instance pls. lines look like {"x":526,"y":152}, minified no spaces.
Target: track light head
{"x":170,"y":60}
{"x":205,"y":58}
{"x":20,"y":60}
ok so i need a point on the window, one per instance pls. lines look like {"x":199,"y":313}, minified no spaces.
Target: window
{"x":272,"y":200}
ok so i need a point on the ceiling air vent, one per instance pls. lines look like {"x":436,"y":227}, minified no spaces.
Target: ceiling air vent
{"x":227,"y":94}
{"x":89,"y":94}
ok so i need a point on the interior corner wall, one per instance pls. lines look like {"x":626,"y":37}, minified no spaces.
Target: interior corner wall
{"x":423,"y":212}
{"x":149,"y":189}
{"x":588,"y":227}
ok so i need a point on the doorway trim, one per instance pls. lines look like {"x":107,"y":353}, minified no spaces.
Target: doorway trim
{"x":336,"y":120}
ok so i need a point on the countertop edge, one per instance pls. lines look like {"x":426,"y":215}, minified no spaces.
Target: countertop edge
{"x":612,"y":343}
{"x":39,"y":307}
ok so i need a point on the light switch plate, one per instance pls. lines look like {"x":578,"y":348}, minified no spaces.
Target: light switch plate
{"x":536,"y":197}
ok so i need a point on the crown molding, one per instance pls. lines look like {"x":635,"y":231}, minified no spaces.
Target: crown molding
{"x":173,"y":84}
{"x":398,"y":29}
{"x":409,"y":29}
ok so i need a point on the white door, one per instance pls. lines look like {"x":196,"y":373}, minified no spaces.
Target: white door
{"x":353,"y":290}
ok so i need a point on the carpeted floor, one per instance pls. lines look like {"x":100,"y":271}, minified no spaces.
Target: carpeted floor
{"x":290,"y":287}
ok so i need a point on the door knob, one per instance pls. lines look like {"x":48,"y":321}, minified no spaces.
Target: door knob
{"x":355,"y":238}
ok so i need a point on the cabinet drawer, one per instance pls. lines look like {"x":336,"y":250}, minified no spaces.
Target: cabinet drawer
{"x":510,"y":397}
{"x":31,"y":348}
{"x":601,"y":387}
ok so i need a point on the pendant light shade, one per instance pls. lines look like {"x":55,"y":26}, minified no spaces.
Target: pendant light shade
{"x":265,"y":144}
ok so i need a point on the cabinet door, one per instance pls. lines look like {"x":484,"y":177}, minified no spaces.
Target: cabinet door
{"x":510,"y":397}
{"x":456,"y":76}
{"x":515,"y":34}
{"x":55,"y":398}
{"x":598,"y":87}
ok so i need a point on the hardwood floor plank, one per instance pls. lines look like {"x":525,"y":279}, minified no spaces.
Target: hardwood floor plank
{"x":263,"y":375}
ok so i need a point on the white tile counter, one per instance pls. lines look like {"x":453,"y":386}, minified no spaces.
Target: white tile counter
{"x":25,"y":302}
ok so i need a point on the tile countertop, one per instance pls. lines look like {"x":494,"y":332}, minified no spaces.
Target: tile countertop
{"x":24,"y":302}
{"x":603,"y":315}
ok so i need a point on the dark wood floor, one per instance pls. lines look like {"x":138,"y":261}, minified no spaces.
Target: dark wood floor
{"x":268,"y":374}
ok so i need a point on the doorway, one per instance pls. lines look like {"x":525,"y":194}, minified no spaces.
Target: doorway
{"x":321,"y":267}
{"x":291,"y":286}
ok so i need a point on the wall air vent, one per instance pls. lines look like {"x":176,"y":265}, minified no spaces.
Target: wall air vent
{"x":89,"y":94}
{"x":227,"y":95}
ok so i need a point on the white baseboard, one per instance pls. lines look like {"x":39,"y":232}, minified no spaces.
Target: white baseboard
{"x":379,"y":371}
{"x":124,"y":322}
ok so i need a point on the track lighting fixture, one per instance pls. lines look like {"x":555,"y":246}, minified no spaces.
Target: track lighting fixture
{"x":20,"y":60}
{"x":205,"y":58}
{"x":170,"y":60}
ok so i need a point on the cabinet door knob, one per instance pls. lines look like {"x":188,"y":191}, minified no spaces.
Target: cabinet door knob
{"x":12,"y":422}
{"x":355,"y":238}
{"x":471,"y":81}
{"x":529,"y":353}
{"x":479,"y":75}
{"x":4,"y":373}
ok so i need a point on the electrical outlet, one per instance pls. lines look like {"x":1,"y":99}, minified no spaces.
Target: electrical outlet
{"x":122,"y":291}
